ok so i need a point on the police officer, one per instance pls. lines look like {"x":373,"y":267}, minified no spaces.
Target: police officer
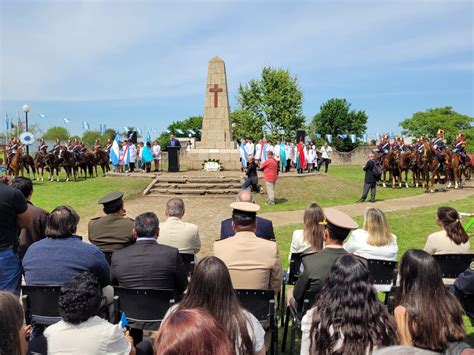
{"x":114,"y":230}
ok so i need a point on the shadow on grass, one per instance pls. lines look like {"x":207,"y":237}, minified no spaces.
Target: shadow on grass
{"x":279,"y":201}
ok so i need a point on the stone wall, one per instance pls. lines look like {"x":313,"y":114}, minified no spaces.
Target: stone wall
{"x":356,"y":157}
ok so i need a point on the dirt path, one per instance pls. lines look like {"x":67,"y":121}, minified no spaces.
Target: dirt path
{"x":289,"y":217}
{"x":207,"y":212}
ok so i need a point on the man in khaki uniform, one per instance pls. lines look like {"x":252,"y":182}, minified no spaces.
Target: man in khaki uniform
{"x":113,"y":231}
{"x":253,"y":263}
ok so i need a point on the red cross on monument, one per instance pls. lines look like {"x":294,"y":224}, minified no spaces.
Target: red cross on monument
{"x":216,"y":90}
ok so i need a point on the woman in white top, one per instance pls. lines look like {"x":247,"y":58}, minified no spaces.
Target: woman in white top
{"x":156,"y":152}
{"x":326,"y":151}
{"x":80,"y":331}
{"x":347,"y":304}
{"x":309,"y":239}
{"x":375,"y":240}
{"x":452,"y":238}
{"x":211,"y":289}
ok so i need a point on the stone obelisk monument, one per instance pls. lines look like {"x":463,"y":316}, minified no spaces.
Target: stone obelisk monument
{"x":216,"y":138}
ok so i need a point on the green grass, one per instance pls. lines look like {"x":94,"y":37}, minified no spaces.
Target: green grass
{"x":410,"y":226}
{"x":83,"y":195}
{"x":342,"y":186}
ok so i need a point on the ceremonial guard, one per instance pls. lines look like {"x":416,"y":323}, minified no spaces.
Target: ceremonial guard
{"x":402,"y":147}
{"x":114,"y":230}
{"x":43,"y":147}
{"x":439,"y":145}
{"x":13,"y":147}
{"x":109,"y":145}
{"x":97,"y":145}
{"x":383,"y":147}
{"x":56,"y":147}
{"x":459,"y":146}
{"x":418,"y":146}
{"x":76,"y":148}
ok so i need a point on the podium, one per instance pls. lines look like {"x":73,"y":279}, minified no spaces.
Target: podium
{"x":173,"y":159}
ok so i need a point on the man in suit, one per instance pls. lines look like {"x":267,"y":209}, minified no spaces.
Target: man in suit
{"x":264,"y":226}
{"x":253,"y":263}
{"x":148,"y":264}
{"x":179,"y":234}
{"x":316,"y":266}
{"x":173,"y":142}
{"x":370,"y":180}
{"x":113,"y":231}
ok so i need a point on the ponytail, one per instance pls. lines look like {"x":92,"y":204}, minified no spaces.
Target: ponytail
{"x":452,"y":225}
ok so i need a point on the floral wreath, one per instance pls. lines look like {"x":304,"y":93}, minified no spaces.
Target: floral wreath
{"x":212,"y":165}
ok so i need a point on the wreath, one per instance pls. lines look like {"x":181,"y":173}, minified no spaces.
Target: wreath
{"x":212,"y":165}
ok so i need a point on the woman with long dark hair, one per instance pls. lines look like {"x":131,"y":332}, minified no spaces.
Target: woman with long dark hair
{"x":310,"y":238}
{"x":452,"y":238}
{"x":427,"y":315}
{"x":192,"y":332}
{"x":211,"y":289}
{"x":347,"y":318}
{"x":12,"y":333}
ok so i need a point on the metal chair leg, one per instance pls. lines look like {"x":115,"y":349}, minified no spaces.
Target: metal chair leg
{"x":293,"y":334}
{"x":285,"y":330}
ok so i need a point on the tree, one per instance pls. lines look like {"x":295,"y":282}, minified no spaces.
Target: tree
{"x":427,"y":123}
{"x":244,"y":125}
{"x":89,"y":137}
{"x":270,"y":104}
{"x":336,"y":117}
{"x":56,"y":132}
{"x":109,"y":134}
{"x":192,"y":123}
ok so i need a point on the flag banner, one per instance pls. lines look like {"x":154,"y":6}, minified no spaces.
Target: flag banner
{"x":125,"y":129}
{"x":377,"y":136}
{"x":85,"y":125}
{"x":126,"y":155}
{"x":342,"y":136}
{"x":392,"y":136}
{"x":243,"y":155}
{"x":115,"y":151}
{"x":329,"y":138}
{"x":139,"y":131}
{"x":366,"y":138}
{"x":353,"y":138}
{"x":153,"y":131}
{"x":282,"y":154}
{"x":66,"y":120}
{"x":147,"y":138}
{"x":318,"y":135}
{"x":7,"y":122}
{"x":192,"y":132}
{"x":41,"y":115}
{"x":180,"y":131}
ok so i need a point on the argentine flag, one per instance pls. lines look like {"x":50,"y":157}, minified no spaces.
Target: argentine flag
{"x":115,"y":151}
{"x":282,"y":154}
{"x":329,"y":138}
{"x":126,"y":155}
{"x":243,"y":155}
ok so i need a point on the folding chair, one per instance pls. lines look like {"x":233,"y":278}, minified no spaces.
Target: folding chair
{"x":40,"y":303}
{"x":188,"y":260}
{"x":261,"y":303}
{"x":144,"y":308}
{"x":289,"y":278}
{"x":383,"y":275}
{"x":453,"y":264}
{"x":296,"y":317}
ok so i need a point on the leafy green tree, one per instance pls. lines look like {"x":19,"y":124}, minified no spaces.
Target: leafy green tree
{"x":272,"y":103}
{"x":244,"y":125}
{"x":428,"y":122}
{"x":56,"y":132}
{"x":89,"y":138}
{"x":336,"y":117}
{"x":193,"y":123}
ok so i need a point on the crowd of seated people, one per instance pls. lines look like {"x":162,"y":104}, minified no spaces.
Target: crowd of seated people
{"x":346,"y":316}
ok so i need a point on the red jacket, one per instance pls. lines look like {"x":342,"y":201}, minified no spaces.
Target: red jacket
{"x":270,"y":170}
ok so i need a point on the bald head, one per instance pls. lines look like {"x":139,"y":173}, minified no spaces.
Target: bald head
{"x":245,"y":196}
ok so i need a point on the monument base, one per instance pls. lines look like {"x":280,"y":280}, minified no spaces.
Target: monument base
{"x":229,"y":158}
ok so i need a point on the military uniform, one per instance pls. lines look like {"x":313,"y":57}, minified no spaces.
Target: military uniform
{"x":463,"y":288}
{"x":111,"y":232}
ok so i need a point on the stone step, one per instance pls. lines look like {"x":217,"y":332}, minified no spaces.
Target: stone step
{"x":212,"y":185}
{"x":198,"y":179}
{"x":171,"y":191}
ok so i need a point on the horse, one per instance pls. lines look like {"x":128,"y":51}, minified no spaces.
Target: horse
{"x":85,"y":163}
{"x":53,"y":164}
{"x":102,"y":159}
{"x":394,"y":171}
{"x":68,"y":162}
{"x":40,"y":164}
{"x":417,"y":170}
{"x":432,"y":169}
{"x":405,"y":163}
{"x":17,"y":164}
{"x":384,"y":164}
{"x":457,"y":169}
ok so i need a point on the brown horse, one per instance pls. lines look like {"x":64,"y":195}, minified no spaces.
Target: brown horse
{"x":394,"y":171}
{"x":53,"y":164}
{"x":102,"y":159}
{"x":432,"y":168}
{"x":384,"y":164}
{"x":20,"y":162}
{"x":40,"y":164}
{"x":417,"y":170}
{"x":457,"y":170}
{"x":68,"y":162}
{"x":405,"y":163}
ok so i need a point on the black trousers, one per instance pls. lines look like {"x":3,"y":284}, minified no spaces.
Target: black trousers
{"x":367,"y":188}
{"x":132,"y":167}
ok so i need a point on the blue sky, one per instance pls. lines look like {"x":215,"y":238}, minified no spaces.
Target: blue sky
{"x":144,"y":63}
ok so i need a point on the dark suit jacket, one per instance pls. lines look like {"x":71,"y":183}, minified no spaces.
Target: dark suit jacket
{"x":369,"y":176}
{"x":264,"y":229}
{"x":147,"y":264}
{"x":176,"y":143}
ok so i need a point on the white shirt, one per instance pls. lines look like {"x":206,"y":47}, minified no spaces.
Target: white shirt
{"x":94,"y":336}
{"x":298,"y":244}
{"x":156,"y":151}
{"x":249,"y":148}
{"x":133,"y":153}
{"x":357,"y":244}
{"x":258,"y":150}
{"x":326,"y":152}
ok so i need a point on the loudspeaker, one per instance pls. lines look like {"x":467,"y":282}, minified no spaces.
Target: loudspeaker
{"x":133,"y":136}
{"x":300,"y":135}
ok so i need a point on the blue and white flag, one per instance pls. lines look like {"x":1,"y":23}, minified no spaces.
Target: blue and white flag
{"x":318,"y":135}
{"x":167,"y":131}
{"x":85,"y":125}
{"x":101,"y":128}
{"x":126,"y":154}
{"x":366,"y":138}
{"x":42,"y":116}
{"x":264,"y":152}
{"x":115,"y":151}
{"x":377,"y":137}
{"x":342,"y":136}
{"x":192,"y":132}
{"x":66,"y":120}
{"x":147,"y":138}
{"x":139,"y":130}
{"x":243,"y":155}
{"x":153,"y":131}
{"x":125,"y":128}
{"x":7,"y":122}
{"x":329,"y":138}
{"x":180,"y":131}
{"x":392,"y":136}
{"x":353,"y":138}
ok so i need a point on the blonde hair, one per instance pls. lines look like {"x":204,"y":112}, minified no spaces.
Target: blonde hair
{"x":376,"y":225}
{"x":314,"y":226}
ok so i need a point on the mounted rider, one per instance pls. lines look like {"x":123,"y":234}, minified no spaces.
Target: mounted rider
{"x":97,"y":145}
{"x":12,"y":148}
{"x":76,"y":149}
{"x":402,"y":147}
{"x":109,"y":145}
{"x":439,"y":146}
{"x":383,"y":148}
{"x":459,"y":147}
{"x":56,"y":147}
{"x":418,"y":145}
{"x":43,"y":147}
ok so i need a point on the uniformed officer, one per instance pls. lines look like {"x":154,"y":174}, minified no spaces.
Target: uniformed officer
{"x":463,"y":288}
{"x":112,"y":231}
{"x":316,"y":266}
{"x":43,"y":147}
{"x":439,"y":145}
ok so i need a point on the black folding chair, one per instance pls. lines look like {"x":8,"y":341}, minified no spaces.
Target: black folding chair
{"x":144,"y":308}
{"x":467,"y":302}
{"x":383,"y":275}
{"x":261,"y":303}
{"x":188,"y":260}
{"x":40,"y":303}
{"x":289,"y":278}
{"x":453,"y":264}
{"x":296,"y":317}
